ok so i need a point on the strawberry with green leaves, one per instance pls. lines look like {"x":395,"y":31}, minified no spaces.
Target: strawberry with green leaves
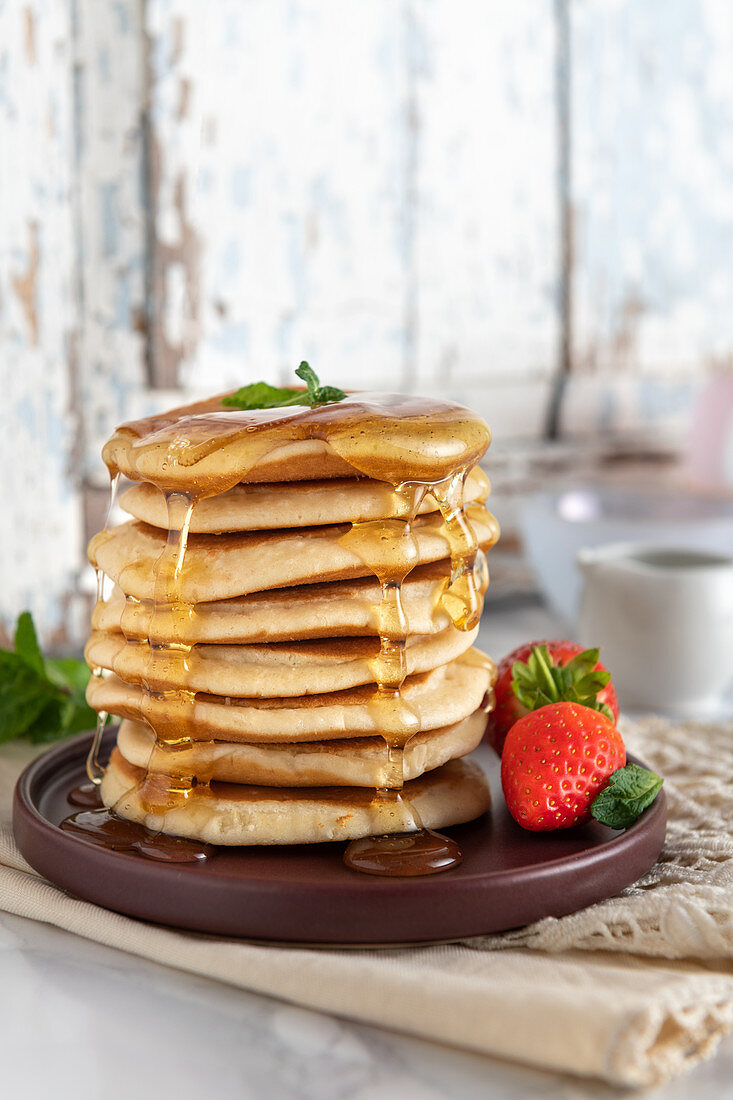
{"x":540,"y":673}
{"x":565,"y":763}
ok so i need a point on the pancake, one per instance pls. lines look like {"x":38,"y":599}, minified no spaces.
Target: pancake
{"x":338,"y":610}
{"x":299,"y":504}
{"x":278,"y":669}
{"x":358,"y":762}
{"x":439,"y":698}
{"x":220,"y":566}
{"x":211,"y":447}
{"x":234,"y":814}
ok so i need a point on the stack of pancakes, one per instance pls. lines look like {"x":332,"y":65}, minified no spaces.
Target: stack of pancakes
{"x":243,"y":646}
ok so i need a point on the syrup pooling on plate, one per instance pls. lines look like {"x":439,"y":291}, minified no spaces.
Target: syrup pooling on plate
{"x":404,"y":855}
{"x":414,"y":444}
{"x":106,"y":829}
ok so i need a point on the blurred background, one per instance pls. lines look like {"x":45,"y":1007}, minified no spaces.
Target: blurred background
{"x":524,"y":206}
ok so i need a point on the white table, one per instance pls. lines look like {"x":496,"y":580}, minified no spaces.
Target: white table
{"x":82,"y":1021}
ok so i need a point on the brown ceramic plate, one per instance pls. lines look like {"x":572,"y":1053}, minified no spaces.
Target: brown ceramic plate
{"x":305,"y":894}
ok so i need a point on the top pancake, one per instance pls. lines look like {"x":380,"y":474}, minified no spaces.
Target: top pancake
{"x":301,"y":504}
{"x":207,"y":448}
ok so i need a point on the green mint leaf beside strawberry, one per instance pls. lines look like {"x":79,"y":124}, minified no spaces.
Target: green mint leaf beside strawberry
{"x":261,"y":395}
{"x":629,"y":792}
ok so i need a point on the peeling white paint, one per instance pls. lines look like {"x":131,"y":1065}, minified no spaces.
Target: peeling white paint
{"x":40,"y":546}
{"x":652,"y":136}
{"x":109,"y":172}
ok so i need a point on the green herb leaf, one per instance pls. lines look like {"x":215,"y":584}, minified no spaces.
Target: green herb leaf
{"x":48,"y":726}
{"x":318,"y":394}
{"x":260,"y":395}
{"x":23,"y":695}
{"x":26,"y":642}
{"x":328,"y":395}
{"x":68,"y":673}
{"x":76,"y":716}
{"x":41,"y":700}
{"x":309,"y":376}
{"x":629,"y":791}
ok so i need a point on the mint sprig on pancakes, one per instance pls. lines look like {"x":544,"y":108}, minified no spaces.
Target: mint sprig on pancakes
{"x":41,"y":699}
{"x":261,"y":395}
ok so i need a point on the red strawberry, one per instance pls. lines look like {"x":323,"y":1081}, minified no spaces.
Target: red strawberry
{"x":556,"y":760}
{"x":519,"y":691}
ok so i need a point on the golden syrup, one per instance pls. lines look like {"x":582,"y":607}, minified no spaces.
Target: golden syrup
{"x":169,"y":712}
{"x":106,"y":830}
{"x":94,"y":768}
{"x":86,"y":796}
{"x":390,"y":550}
{"x":403,"y":855}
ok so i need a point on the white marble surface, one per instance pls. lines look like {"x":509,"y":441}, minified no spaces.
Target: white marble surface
{"x":82,"y":1021}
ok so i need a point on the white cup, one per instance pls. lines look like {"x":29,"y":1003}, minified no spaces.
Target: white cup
{"x":664,"y":621}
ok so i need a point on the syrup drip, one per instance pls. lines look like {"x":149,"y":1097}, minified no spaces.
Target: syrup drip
{"x":403,"y":855}
{"x":94,"y":769}
{"x":105,"y":829}
{"x":390,"y":550}
{"x":85,"y":795}
{"x":168,"y":712}
{"x":414,"y":444}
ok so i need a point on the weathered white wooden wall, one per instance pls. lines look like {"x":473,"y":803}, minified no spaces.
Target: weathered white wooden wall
{"x":350,"y":184}
{"x":652,"y":202}
{"x":40,"y":425}
{"x":457,"y":195}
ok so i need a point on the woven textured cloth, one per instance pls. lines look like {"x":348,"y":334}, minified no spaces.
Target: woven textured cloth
{"x":632,"y":990}
{"x":683,"y":909}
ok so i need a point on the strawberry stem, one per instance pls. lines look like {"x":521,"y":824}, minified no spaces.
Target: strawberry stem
{"x":548,"y":682}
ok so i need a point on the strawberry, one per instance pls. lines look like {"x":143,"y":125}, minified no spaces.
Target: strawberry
{"x":556,"y":760}
{"x":547,"y":672}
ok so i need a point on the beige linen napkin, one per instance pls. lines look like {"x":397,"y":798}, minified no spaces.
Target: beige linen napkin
{"x":565,"y":995}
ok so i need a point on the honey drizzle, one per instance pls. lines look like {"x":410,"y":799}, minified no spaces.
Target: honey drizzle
{"x":417,"y":850}
{"x":94,"y":769}
{"x":167,"y":711}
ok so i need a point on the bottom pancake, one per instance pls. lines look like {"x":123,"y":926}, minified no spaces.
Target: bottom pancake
{"x":230,"y":814}
{"x":354,"y":762}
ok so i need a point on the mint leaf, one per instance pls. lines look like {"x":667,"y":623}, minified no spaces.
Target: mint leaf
{"x":328,"y":395}
{"x":629,"y":791}
{"x":41,"y":700}
{"x":23,"y":695}
{"x":47,"y":726}
{"x":77,"y":716}
{"x":261,"y":395}
{"x":309,"y":376}
{"x":26,"y":642}
{"x":69,"y":673}
{"x":318,"y":394}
